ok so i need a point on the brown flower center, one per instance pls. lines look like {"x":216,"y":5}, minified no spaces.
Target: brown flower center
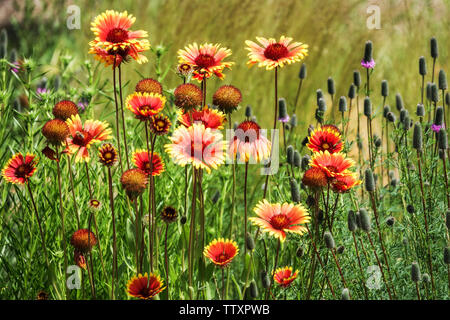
{"x":22,"y":171}
{"x":205,"y":61}
{"x":280,"y":221}
{"x":117,"y":35}
{"x":276,"y":51}
{"x":325,"y":146}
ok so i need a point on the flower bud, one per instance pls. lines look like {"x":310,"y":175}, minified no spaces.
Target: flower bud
{"x":434,"y":93}
{"x":365,"y":220}
{"x":321,"y":105}
{"x":415,"y":272}
{"x":319,"y":94}
{"x":295,"y":192}
{"x":390,"y":221}
{"x":248,"y":111}
{"x":302,"y":73}
{"x":386,"y":110}
{"x":410,"y":209}
{"x":249,"y":242}
{"x":297,"y":159}
{"x":215,"y":197}
{"x":367,"y":107}
{"x":342,"y":104}
{"x":351,"y":221}
{"x":439,"y":116}
{"x":447,"y":255}
{"x":253,"y":290}
{"x":391,"y":117}
{"x":442,"y":139}
{"x":368,"y":51}
{"x":442,"y":80}
{"x":357,"y":79}
{"x":369,"y":180}
{"x":340,"y":249}
{"x":293,"y":121}
{"x":265,"y":280}
{"x":345,"y":294}
{"x":417,"y":136}
{"x":282,"y":109}
{"x":384,"y":88}
{"x":305,"y":162}
{"x":290,"y":154}
{"x":428,"y":91}
{"x":330,"y":86}
{"x":447,"y":219}
{"x":422,"y":66}
{"x":420,"y":111}
{"x":183,"y":220}
{"x":329,"y":240}
{"x":399,"y":102}
{"x":352,"y":92}
{"x":377,"y":142}
{"x":434,"y":48}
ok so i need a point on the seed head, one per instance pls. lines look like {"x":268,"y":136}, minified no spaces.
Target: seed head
{"x":330,"y":86}
{"x":302,"y":73}
{"x":329,"y":240}
{"x":342,"y":104}
{"x":384,"y":88}
{"x":415,"y":272}
{"x":422,"y":66}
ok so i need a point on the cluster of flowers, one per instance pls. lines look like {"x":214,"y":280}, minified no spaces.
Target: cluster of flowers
{"x":329,"y":167}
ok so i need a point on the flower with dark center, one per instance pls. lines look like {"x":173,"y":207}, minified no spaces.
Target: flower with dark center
{"x":169,"y":214}
{"x":79,"y":258}
{"x":221,"y":252}
{"x":227,"y":98}
{"x":277,"y":219}
{"x":197,"y":145}
{"x":249,"y":143}
{"x":145,"y":286}
{"x":134,"y":181}
{"x":334,"y":165}
{"x":107,"y":154}
{"x":49,"y":153}
{"x":188,"y":96}
{"x":159,"y":124}
{"x":150,"y":86}
{"x":184,"y":69}
{"x":42,"y":295}
{"x":83,"y":240}
{"x":206,"y":59}
{"x":145,"y":105}
{"x":94,"y":204}
{"x":271,"y":54}
{"x":114,"y":42}
{"x":83,"y":136}
{"x":141,"y":160}
{"x":55,"y":131}
{"x":210,"y":118}
{"x":20,"y":169}
{"x":325,"y":139}
{"x":344,"y":183}
{"x":285,"y":276}
{"x":64,"y":110}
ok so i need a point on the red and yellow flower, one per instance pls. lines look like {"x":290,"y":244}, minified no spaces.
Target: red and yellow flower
{"x":284,"y":276}
{"x":346,"y":182}
{"x":221,"y":251}
{"x":141,"y":160}
{"x":325,"y":139}
{"x":20,"y":169}
{"x":206,"y":60}
{"x":315,"y":178}
{"x":334,"y":164}
{"x":197,"y":145}
{"x":277,"y":219}
{"x":249,"y":143}
{"x":145,"y":286}
{"x":272,"y":54}
{"x":114,"y":42}
{"x":210,"y":118}
{"x":83,"y":136}
{"x":145,"y":105}
{"x":160,"y":124}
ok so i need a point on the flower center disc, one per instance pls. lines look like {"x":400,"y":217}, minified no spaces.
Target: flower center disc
{"x":22,"y":171}
{"x":247,"y":131}
{"x":279,"y":221}
{"x":276,"y":51}
{"x":117,"y":35}
{"x":205,"y":61}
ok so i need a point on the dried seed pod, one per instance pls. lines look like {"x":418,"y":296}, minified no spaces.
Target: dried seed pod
{"x":352,"y":91}
{"x":386,"y":110}
{"x":302,"y":73}
{"x":420,"y":110}
{"x":439,"y":116}
{"x":295,"y":192}
{"x":434,"y":93}
{"x":330,"y":86}
{"x":434,"y":48}
{"x":442,"y":80}
{"x":357,"y":79}
{"x":367,"y":107}
{"x":399,"y":102}
{"x":369,"y":180}
{"x":282,"y":109}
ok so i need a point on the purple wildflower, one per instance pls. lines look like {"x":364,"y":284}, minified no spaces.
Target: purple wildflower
{"x":82,"y":105}
{"x":41,"y":91}
{"x":284,"y":119}
{"x":16,"y":67}
{"x":436,"y":127}
{"x":368,"y":64}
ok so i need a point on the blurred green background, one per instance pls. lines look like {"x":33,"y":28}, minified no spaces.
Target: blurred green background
{"x":335,"y":31}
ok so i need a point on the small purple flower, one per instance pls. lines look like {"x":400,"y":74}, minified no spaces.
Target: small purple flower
{"x":82,"y":106}
{"x":41,"y":91}
{"x":16,"y":67}
{"x":436,"y":127}
{"x":368,"y":64}
{"x":284,"y":119}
